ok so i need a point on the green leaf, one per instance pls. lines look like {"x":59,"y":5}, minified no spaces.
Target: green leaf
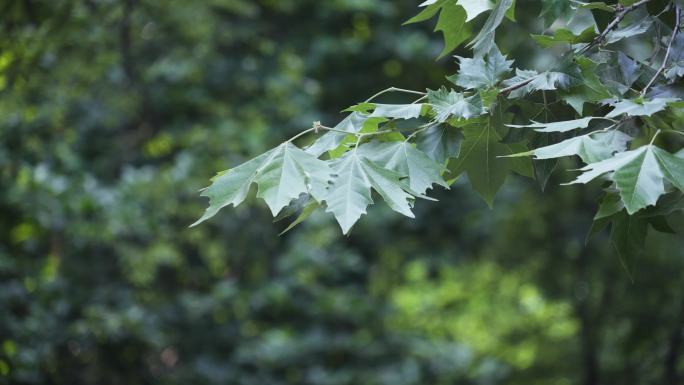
{"x":510,"y":13}
{"x":638,"y":108}
{"x":565,"y":36}
{"x":353,"y":123}
{"x":282,"y":174}
{"x":628,"y":237}
{"x":432,"y":7}
{"x":350,"y":193}
{"x":599,"y":5}
{"x":609,"y":206}
{"x":451,"y":103}
{"x":630,"y":29}
{"x":552,"y":10}
{"x":397,"y":111}
{"x":407,"y":161}
{"x":483,"y":42}
{"x":638,"y":174}
{"x":474,"y":8}
{"x":309,"y":209}
{"x":667,"y":204}
{"x":545,"y":81}
{"x":590,"y":148}
{"x":481,"y":72}
{"x":481,"y":158}
{"x":439,"y":142}
{"x":452,"y":24}
{"x":543,"y":169}
{"x":565,"y":126}
{"x":587,"y":86}
{"x":629,"y":69}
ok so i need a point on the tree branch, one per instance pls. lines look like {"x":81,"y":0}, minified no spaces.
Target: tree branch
{"x":678,"y":14}
{"x":620,"y":14}
{"x":517,"y":85}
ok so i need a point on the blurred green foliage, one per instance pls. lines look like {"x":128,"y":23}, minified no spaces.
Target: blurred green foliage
{"x":114,"y":113}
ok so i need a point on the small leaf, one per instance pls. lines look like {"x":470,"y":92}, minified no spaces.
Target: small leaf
{"x":628,"y":237}
{"x":481,"y":72}
{"x":353,"y":123}
{"x":565,"y":36}
{"x":306,"y":213}
{"x":545,"y":81}
{"x":397,"y":111}
{"x":451,"y":103}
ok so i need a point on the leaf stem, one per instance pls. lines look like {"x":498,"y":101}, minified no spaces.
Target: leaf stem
{"x":608,"y":119}
{"x":302,"y":134}
{"x":419,"y":99}
{"x":654,"y":137}
{"x":395,"y":89}
{"x":318,"y":126}
{"x":418,"y":131}
{"x":678,"y":14}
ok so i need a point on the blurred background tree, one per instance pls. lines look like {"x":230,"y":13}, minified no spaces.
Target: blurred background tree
{"x":114,"y":112}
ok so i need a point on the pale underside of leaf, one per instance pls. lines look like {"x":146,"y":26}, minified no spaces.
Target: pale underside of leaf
{"x":403,"y":158}
{"x":474,"y":8}
{"x":564,"y":126}
{"x":590,"y":148}
{"x":282,"y":175}
{"x":397,"y":111}
{"x":350,"y":193}
{"x":633,"y":108}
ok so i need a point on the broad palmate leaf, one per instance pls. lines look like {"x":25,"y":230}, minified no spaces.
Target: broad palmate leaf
{"x":481,"y":158}
{"x":565,"y":126}
{"x":447,"y":104}
{"x":282,"y":174}
{"x":405,"y":159}
{"x":481,"y":72}
{"x":350,"y":193}
{"x":591,"y":148}
{"x":639,"y":175}
{"x":439,"y":142}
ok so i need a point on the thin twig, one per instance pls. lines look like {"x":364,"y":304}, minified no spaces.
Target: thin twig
{"x":419,"y":130}
{"x":678,"y":13}
{"x":517,"y":85}
{"x":419,"y":99}
{"x":394,"y":89}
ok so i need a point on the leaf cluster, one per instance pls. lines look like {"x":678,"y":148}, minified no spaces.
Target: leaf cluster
{"x":616,"y":111}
